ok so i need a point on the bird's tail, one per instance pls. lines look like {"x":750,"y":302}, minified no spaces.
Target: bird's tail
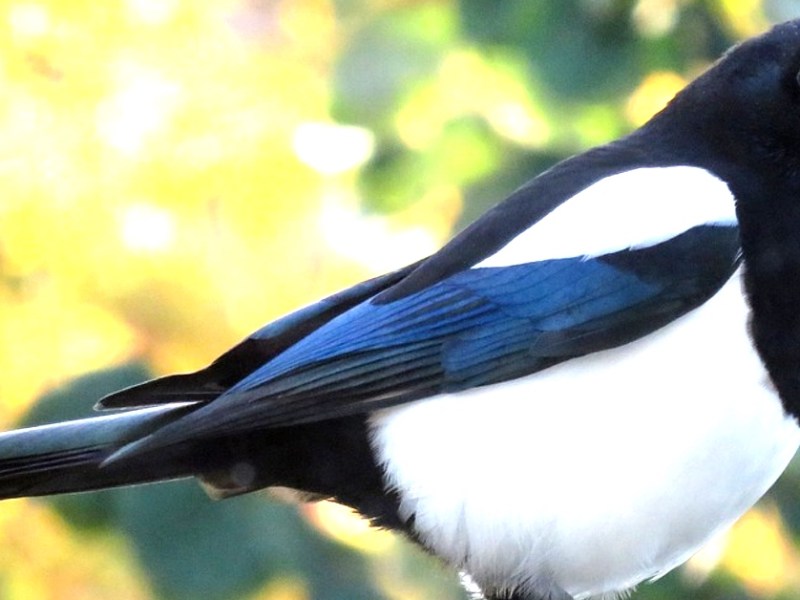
{"x":69,"y":457}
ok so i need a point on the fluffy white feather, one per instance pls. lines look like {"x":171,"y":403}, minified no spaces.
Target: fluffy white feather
{"x":698,"y":436}
{"x":613,"y":214}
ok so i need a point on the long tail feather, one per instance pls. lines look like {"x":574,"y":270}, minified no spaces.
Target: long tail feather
{"x":68,"y":457}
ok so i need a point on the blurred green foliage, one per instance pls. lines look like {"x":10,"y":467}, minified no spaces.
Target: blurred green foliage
{"x":174,"y":174}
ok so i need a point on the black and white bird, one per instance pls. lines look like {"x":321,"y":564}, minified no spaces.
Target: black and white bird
{"x":569,"y":398}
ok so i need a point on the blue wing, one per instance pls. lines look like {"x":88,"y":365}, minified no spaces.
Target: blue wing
{"x":475,"y":327}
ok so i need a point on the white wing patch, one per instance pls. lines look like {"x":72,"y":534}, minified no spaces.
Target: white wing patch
{"x":634,"y":209}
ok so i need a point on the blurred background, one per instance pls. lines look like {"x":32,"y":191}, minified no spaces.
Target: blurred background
{"x":174,"y":174}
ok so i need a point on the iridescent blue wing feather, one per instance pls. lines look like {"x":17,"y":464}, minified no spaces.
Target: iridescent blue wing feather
{"x":476,"y":327}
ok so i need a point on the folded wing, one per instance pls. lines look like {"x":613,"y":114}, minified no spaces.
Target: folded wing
{"x":477,"y":327}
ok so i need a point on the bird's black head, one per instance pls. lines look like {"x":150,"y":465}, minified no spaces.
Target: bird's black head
{"x":744,"y":111}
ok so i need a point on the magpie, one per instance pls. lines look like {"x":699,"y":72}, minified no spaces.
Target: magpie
{"x":569,"y":398}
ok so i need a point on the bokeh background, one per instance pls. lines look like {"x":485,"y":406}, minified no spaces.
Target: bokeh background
{"x":173,"y":174}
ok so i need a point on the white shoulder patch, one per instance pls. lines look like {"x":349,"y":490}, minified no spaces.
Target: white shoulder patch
{"x":634,"y":209}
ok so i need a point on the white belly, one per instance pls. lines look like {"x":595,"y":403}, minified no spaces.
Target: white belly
{"x":600,"y":472}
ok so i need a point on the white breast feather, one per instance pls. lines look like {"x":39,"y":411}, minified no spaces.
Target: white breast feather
{"x":615,"y":214}
{"x":602,"y":471}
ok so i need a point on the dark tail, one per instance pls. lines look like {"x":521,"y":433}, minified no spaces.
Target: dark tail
{"x":68,"y":457}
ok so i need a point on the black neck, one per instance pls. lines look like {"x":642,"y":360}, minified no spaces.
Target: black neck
{"x":770,"y":234}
